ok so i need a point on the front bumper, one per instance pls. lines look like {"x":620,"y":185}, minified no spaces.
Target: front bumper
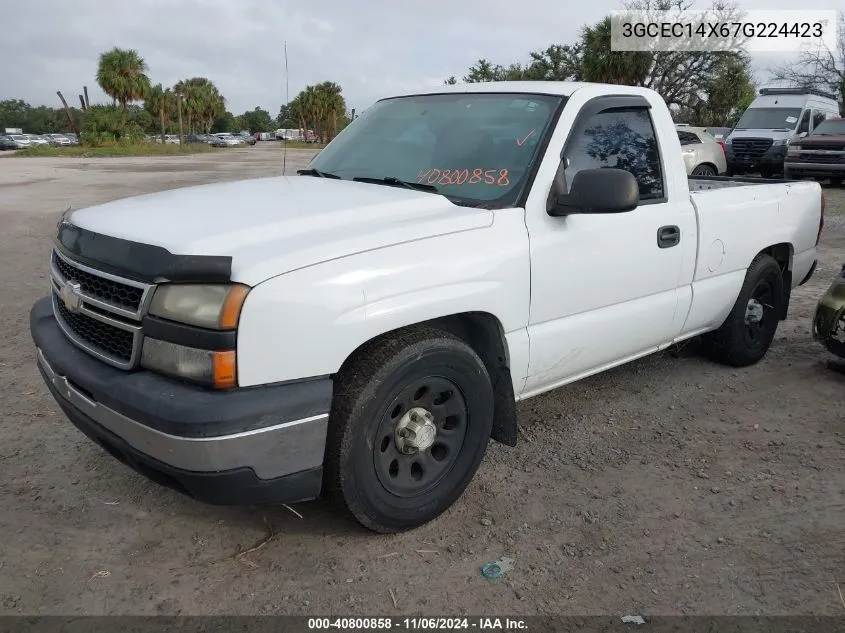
{"x":772,"y":160}
{"x":260,"y":445}
{"x":816,"y":170}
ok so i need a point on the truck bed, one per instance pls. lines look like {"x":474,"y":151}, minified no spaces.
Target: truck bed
{"x":707,"y":183}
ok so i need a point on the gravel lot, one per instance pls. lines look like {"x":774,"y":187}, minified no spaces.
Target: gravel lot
{"x":668,"y":486}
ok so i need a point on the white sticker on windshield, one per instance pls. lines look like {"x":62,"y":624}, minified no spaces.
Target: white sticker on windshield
{"x":791,"y":119}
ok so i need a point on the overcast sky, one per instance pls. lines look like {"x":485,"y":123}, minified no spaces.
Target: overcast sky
{"x":370,"y":47}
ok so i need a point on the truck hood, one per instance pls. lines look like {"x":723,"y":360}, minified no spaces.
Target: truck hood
{"x":271,"y":226}
{"x":775,"y":135}
{"x":836,"y":141}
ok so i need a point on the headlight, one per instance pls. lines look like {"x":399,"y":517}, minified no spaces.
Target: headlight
{"x":729,"y":141}
{"x":792,"y":150}
{"x":780,"y":141}
{"x":214,"y":306}
{"x":211,"y":368}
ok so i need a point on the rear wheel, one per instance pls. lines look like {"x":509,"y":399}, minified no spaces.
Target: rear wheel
{"x":836,"y":182}
{"x":747,"y":333}
{"x":409,"y":425}
{"x":704,"y":170}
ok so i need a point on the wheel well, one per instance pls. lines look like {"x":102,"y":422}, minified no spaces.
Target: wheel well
{"x":706,"y":164}
{"x":782,"y":254}
{"x":484,"y":334}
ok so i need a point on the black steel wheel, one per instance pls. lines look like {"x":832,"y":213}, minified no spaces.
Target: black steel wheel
{"x":747,"y":333}
{"x":410,"y":422}
{"x":421,"y":433}
{"x":759,"y":314}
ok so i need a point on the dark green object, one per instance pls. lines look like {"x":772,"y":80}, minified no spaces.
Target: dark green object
{"x":829,"y":320}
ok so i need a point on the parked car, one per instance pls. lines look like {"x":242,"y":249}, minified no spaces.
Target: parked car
{"x":246,"y":138}
{"x":777,"y":116}
{"x":35,"y":139}
{"x":198,"y":138}
{"x":6,"y":143}
{"x":224,"y":139}
{"x":58,"y":140}
{"x":821,"y":154}
{"x":305,"y":346}
{"x":73,"y":138}
{"x":21,"y":141}
{"x":703,"y":155}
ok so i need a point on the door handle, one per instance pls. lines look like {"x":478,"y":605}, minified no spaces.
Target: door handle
{"x":668,"y":236}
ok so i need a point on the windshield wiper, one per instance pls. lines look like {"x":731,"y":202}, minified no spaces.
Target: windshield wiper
{"x":390,"y":180}
{"x":316,"y":172}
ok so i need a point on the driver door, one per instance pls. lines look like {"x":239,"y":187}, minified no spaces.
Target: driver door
{"x":604,"y":287}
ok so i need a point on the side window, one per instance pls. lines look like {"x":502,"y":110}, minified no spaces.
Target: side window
{"x":688,"y":138}
{"x":622,"y":138}
{"x":818,"y":117}
{"x":804,"y":125}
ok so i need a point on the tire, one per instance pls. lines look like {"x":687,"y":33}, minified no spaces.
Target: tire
{"x":738,"y":343}
{"x":835,"y":182}
{"x":704,"y":170}
{"x":365,"y":471}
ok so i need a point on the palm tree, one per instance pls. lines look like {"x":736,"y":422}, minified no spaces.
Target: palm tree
{"x":202,"y":102}
{"x":160,"y":102}
{"x":122,"y":76}
{"x":319,"y":107}
{"x":600,"y":64}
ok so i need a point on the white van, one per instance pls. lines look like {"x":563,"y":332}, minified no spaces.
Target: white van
{"x":777,"y":116}
{"x":287,"y":134}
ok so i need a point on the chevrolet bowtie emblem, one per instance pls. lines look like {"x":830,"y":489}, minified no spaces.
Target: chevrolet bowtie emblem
{"x":69,"y":294}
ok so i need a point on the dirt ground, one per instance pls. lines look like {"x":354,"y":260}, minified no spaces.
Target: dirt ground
{"x":669,"y":486}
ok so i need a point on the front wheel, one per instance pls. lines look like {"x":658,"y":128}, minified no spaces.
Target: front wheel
{"x":748,"y":332}
{"x":409,"y":425}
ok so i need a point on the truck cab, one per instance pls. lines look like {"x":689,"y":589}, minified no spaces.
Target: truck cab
{"x":758,"y":142}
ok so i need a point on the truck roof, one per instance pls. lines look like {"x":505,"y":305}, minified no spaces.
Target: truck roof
{"x":563,"y":88}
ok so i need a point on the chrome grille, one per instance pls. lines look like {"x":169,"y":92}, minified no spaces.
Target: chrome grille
{"x":750,"y":148}
{"x":99,"y":312}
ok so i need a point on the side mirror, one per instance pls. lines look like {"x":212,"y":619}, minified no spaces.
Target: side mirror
{"x":602,"y":190}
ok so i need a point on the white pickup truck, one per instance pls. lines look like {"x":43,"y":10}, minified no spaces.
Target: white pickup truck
{"x":361,"y":330}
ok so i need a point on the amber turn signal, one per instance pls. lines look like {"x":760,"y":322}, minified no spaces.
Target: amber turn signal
{"x":224,"y":372}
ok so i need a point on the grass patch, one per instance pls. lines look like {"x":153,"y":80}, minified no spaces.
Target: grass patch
{"x":298,"y":145}
{"x":106,"y":151}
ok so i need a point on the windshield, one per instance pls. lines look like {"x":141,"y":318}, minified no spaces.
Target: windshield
{"x":830,"y":127}
{"x":18,"y":137}
{"x":769,"y":119}
{"x":473,"y":148}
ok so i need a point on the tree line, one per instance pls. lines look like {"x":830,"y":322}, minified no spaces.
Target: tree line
{"x":701,"y":88}
{"x":140,"y":107}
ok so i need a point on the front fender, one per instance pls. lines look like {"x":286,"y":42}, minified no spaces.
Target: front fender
{"x":306,"y":322}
